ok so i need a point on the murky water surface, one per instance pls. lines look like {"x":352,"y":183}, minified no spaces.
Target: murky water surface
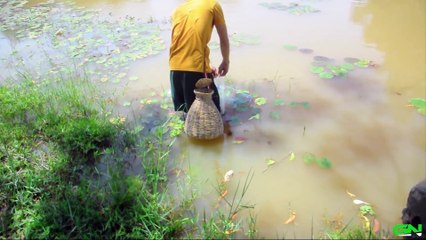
{"x":359,"y":121}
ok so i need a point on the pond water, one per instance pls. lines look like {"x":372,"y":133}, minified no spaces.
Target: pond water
{"x":360,"y":122}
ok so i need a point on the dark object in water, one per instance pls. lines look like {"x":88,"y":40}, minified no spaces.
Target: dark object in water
{"x":322,"y":59}
{"x":415,"y":212}
{"x":306,"y":50}
{"x":351,"y":60}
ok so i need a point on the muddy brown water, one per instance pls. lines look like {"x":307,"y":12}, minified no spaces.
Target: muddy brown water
{"x":361,"y":122}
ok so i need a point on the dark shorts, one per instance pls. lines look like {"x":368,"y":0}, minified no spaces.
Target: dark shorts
{"x":183,"y":85}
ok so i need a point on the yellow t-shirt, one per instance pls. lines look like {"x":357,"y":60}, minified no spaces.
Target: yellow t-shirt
{"x":192,"y":26}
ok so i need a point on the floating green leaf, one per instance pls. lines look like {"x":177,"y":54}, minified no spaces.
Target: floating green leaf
{"x":275,"y":115}
{"x":317,"y":69}
{"x":324,"y":162}
{"x":306,"y":105}
{"x":292,"y":8}
{"x":242,"y":91}
{"x":309,"y":158}
{"x":292,"y":156}
{"x":260,"y":101}
{"x":239,"y":39}
{"x":362,"y":63}
{"x":279,"y":102}
{"x":133,"y":78}
{"x":270,"y":162}
{"x":327,"y":75}
{"x":126,"y":104}
{"x":420,"y":104}
{"x":290,"y":47}
{"x":347,"y":66}
{"x":256,"y":116}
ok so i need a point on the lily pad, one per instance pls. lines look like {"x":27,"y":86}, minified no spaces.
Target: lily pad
{"x":324,"y":162}
{"x":420,"y":104}
{"x":275,"y":115}
{"x":309,"y":158}
{"x":279,"y":102}
{"x":327,"y":75}
{"x":322,"y":59}
{"x":292,"y":8}
{"x":306,"y":50}
{"x":260,"y":101}
{"x":290,"y":47}
{"x":316,"y":69}
{"x":256,"y":116}
{"x":239,"y":39}
{"x":347,"y":66}
{"x":351,"y":60}
{"x":270,"y":162}
{"x":363,"y":63}
{"x":306,"y":105}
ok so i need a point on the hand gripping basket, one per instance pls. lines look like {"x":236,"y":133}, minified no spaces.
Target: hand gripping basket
{"x":203,"y":120}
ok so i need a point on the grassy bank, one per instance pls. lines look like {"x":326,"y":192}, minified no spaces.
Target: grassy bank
{"x":52,"y":138}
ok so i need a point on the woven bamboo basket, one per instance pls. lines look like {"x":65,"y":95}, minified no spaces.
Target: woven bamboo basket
{"x":203,"y":120}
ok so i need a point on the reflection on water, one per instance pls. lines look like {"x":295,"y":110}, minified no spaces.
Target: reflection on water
{"x":398,"y":30}
{"x":360,"y":122}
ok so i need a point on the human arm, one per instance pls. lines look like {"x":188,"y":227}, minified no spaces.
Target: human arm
{"x":224,"y":48}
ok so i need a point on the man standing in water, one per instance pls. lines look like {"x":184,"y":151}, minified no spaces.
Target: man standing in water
{"x":192,"y":26}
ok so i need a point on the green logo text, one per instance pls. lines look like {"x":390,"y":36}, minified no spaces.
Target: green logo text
{"x":404,"y":230}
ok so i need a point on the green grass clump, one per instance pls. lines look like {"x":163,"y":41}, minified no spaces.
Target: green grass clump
{"x":52,"y":137}
{"x":352,"y":233}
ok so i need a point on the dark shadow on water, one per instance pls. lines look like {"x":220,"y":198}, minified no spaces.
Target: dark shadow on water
{"x":205,"y":142}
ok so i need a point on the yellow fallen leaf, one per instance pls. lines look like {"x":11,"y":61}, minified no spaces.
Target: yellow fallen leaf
{"x":292,"y":156}
{"x":291,"y":218}
{"x":231,"y":231}
{"x":350,"y":194}
{"x":224,"y":193}
{"x":366,"y":222}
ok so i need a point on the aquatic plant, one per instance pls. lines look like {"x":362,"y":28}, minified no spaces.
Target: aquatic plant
{"x":292,"y":8}
{"x":69,"y":36}
{"x":419,"y":104}
{"x":237,"y":39}
{"x":323,"y":162}
{"x":327,"y":68}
